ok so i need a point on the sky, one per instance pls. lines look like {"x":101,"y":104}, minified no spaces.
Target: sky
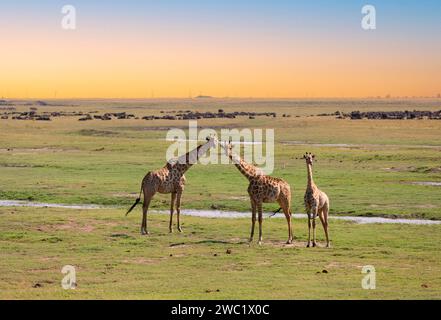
{"x":241,"y":48}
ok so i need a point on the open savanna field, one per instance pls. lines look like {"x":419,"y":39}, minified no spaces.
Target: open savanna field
{"x":387,"y":168}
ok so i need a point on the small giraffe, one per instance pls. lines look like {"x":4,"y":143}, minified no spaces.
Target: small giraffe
{"x":316,"y":203}
{"x":262,"y":189}
{"x":170,"y":179}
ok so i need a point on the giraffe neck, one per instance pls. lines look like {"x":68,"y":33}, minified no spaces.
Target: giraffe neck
{"x":187,"y":160}
{"x":249,"y":171}
{"x":310,"y":179}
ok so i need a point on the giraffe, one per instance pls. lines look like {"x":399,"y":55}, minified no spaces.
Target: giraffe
{"x":262,"y":189}
{"x":170,"y":179}
{"x":316,"y":203}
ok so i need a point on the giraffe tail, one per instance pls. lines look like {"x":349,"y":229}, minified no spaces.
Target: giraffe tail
{"x":136,"y":202}
{"x":275,"y":212}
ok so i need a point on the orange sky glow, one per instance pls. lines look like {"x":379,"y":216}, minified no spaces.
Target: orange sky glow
{"x":40,"y":60}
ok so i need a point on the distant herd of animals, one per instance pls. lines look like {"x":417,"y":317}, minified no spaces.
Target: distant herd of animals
{"x":262,"y":189}
{"x":33,"y":114}
{"x":10,"y":112}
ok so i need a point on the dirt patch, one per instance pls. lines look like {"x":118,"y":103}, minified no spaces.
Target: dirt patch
{"x":178,"y":245}
{"x":34,"y":150}
{"x":264,"y":263}
{"x":109,"y":224}
{"x":97,"y":133}
{"x":52,"y":240}
{"x":87,"y":228}
{"x":283,"y":244}
{"x":241,"y":198}
{"x":395,"y":216}
{"x":340,"y":265}
{"x":19,"y":165}
{"x":124,"y":195}
{"x":137,"y":128}
{"x":142,"y":260}
{"x":359,"y":146}
{"x":426,"y":169}
{"x":46,"y":259}
{"x":121,"y":236}
{"x":425,"y":206}
{"x":71,"y":225}
{"x":415,"y":169}
{"x":12,"y":150}
{"x":401,"y":169}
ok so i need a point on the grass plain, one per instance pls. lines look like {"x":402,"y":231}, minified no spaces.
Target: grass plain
{"x":367,"y":167}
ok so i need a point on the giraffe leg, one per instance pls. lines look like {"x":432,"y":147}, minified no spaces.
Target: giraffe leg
{"x":315,"y":211}
{"x":308,"y":213}
{"x":284,"y":203}
{"x":309,"y":230}
{"x":253,"y":219}
{"x":172,"y":202}
{"x":288,"y":220}
{"x":324,"y":220}
{"x":145,"y":207}
{"x":259,"y":209}
{"x":178,"y":209}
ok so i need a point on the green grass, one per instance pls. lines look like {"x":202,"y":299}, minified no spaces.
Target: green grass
{"x":103,"y":162}
{"x":114,"y":261}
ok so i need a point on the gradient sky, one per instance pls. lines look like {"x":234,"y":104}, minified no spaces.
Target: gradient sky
{"x":134,"y":49}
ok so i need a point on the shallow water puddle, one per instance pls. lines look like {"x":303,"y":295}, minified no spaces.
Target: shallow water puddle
{"x":368,"y":220}
{"x":19,"y":203}
{"x":368,"y":145}
{"x":219,"y":213}
{"x":426,"y":183}
{"x":359,"y":220}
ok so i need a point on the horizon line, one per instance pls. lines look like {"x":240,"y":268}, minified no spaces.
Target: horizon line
{"x":206,"y":97}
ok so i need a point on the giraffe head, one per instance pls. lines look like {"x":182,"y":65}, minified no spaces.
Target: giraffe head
{"x":212,"y":141}
{"x":228,"y":148}
{"x":309,"y":157}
